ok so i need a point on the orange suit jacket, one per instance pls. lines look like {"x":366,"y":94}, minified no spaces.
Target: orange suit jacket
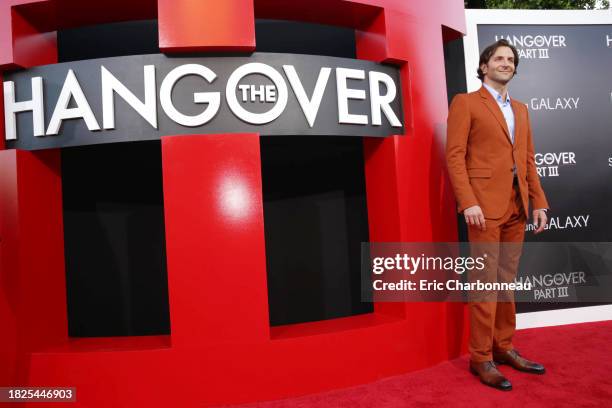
{"x":480,"y":155}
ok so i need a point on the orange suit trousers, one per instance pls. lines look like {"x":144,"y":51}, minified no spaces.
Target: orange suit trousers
{"x":492,"y":317}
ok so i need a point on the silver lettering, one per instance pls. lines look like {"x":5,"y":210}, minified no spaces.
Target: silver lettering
{"x":36,"y":105}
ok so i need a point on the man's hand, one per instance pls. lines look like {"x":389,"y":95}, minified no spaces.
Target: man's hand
{"x":539,"y":219}
{"x":474,"y":216}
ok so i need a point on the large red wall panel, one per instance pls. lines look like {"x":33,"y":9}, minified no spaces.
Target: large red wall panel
{"x":221,"y":348}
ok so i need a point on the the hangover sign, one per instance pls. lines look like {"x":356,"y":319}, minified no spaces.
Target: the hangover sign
{"x":144,"y":97}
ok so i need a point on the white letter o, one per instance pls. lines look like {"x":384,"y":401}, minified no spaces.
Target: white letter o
{"x":273,"y":75}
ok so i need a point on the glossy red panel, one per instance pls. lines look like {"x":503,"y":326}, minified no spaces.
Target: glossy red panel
{"x":206,"y":25}
{"x":221,"y":349}
{"x":23,"y":42}
{"x":215,"y":238}
{"x":33,"y":288}
{"x":1,"y":112}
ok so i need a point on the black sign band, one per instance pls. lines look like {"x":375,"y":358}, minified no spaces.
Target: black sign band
{"x":144,"y":97}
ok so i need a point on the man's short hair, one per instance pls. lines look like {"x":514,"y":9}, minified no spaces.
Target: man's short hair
{"x":488,"y":52}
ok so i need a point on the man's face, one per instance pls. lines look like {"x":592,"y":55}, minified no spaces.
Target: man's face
{"x":500,"y":67}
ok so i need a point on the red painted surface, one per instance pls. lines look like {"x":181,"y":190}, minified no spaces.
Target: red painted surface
{"x":1,"y":112}
{"x":221,"y":349}
{"x":215,"y":239}
{"x":25,"y":40}
{"x":195,"y":25}
{"x":33,"y":288}
{"x":27,"y":27}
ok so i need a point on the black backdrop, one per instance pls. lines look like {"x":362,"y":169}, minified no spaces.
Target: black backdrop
{"x":564,"y":78}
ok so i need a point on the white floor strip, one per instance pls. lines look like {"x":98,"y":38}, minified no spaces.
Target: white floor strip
{"x":563,"y":316}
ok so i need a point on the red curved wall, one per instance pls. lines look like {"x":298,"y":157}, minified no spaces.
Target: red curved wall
{"x":222,"y":349}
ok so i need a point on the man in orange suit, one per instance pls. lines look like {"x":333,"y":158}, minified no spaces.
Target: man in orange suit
{"x":491,"y":164}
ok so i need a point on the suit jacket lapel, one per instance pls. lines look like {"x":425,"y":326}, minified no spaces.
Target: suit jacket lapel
{"x":492,"y":106}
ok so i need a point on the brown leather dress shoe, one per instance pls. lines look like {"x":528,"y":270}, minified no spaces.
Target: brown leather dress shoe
{"x":514,"y":359}
{"x":490,"y":375}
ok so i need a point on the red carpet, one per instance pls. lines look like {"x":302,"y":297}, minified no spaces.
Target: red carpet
{"x":578,"y":360}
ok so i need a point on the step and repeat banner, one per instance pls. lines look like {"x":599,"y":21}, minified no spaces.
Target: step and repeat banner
{"x":565,"y":78}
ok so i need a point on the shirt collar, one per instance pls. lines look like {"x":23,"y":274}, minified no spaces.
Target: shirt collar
{"x":496,"y":94}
